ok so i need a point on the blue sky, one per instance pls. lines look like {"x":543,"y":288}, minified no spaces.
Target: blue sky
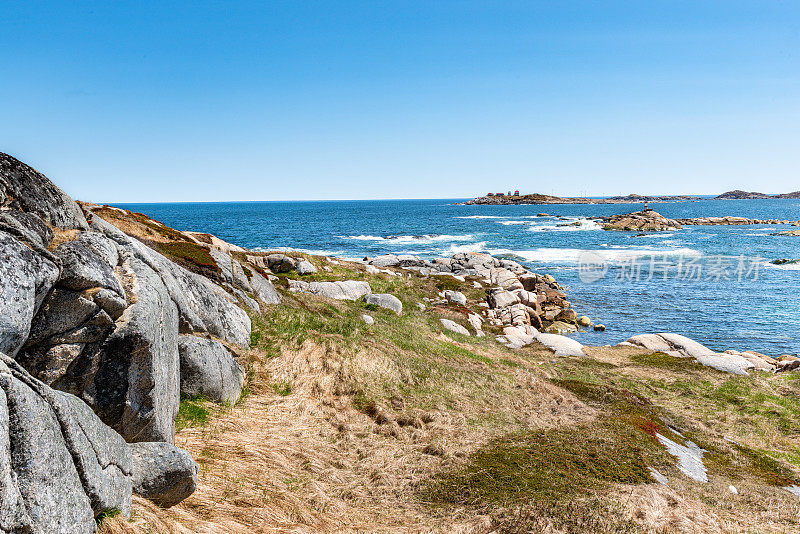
{"x":204,"y":101}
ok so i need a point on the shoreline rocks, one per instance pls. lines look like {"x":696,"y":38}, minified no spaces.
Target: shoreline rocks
{"x":646,"y":220}
{"x":682,"y":347}
{"x":728,"y":221}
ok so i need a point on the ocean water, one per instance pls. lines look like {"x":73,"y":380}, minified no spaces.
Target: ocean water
{"x":714,"y":284}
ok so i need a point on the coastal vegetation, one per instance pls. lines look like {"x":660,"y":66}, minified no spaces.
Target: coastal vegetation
{"x":359,"y":427}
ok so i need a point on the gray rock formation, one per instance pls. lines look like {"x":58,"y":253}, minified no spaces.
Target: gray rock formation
{"x":305,"y":267}
{"x":136,"y":386}
{"x":60,"y":466}
{"x":385,"y":300}
{"x":683,"y":347}
{"x":25,"y":189}
{"x":25,"y":279}
{"x":281,"y":263}
{"x":162,"y":472}
{"x":263,"y":289}
{"x":99,"y":317}
{"x":209,"y":369}
{"x":386,"y":260}
{"x":454,"y":327}
{"x":202,"y":305}
{"x":340,"y":290}
{"x":456,"y":297}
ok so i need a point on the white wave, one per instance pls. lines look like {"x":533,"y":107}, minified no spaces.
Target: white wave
{"x":569,"y":225}
{"x":472,"y":247}
{"x":655,"y":235}
{"x":409,"y":239}
{"x":507,"y":223}
{"x":313,"y":252}
{"x":574,"y":255}
{"x":482,"y":217}
{"x":784,"y":267}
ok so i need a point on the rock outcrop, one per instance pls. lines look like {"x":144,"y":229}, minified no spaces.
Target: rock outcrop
{"x":454,"y":327}
{"x":162,"y":473}
{"x":641,"y":221}
{"x":738,"y":194}
{"x":729,"y":220}
{"x":26,"y":190}
{"x":339,"y":290}
{"x":384,"y":300}
{"x":60,"y":466}
{"x":209,"y":369}
{"x":98,"y":330}
{"x":683,"y":347}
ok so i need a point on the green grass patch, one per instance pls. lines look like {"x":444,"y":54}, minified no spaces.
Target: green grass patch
{"x":189,"y":255}
{"x":665,"y":361}
{"x":543,"y":466}
{"x":744,"y":463}
{"x":283,"y":388}
{"x":192,"y":411}
{"x":444,"y":283}
{"x":106,"y":514}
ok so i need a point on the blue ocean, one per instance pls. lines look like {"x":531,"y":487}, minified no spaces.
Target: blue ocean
{"x":715,"y":284}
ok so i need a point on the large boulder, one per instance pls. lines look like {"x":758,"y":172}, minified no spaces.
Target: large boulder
{"x":339,"y":290}
{"x":386,"y":260}
{"x":305,"y":267}
{"x":280,"y":263}
{"x":25,"y":279}
{"x":385,"y":300}
{"x":454,"y":327}
{"x":456,"y":297}
{"x":162,"y":472}
{"x":24,"y":189}
{"x":60,"y":466}
{"x":263,"y":289}
{"x":501,"y":298}
{"x":82,"y":267}
{"x":136,"y":386}
{"x":202,"y":305}
{"x":209,"y":369}
{"x":683,"y":347}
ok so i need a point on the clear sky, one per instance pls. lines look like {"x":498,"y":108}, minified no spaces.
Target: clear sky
{"x":271,"y":100}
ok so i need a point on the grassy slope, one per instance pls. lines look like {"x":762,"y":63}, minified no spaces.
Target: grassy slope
{"x":400,"y":426}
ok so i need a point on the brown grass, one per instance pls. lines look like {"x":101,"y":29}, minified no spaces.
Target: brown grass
{"x":312,"y":462}
{"x":345,"y":425}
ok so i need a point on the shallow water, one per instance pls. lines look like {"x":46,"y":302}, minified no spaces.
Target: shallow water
{"x":735,"y":300}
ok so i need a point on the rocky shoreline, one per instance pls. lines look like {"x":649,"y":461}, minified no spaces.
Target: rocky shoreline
{"x":652,"y":221}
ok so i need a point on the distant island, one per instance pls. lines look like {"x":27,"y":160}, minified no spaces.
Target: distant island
{"x":738,"y":194}
{"x":512,"y":198}
{"x":537,"y":198}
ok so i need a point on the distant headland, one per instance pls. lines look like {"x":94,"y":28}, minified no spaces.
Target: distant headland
{"x":515,"y":197}
{"x":738,"y":194}
{"x":537,"y":198}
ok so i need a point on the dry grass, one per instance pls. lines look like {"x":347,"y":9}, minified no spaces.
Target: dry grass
{"x":345,"y":426}
{"x":311,"y":462}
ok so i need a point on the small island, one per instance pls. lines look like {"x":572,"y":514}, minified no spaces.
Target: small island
{"x":738,"y":194}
